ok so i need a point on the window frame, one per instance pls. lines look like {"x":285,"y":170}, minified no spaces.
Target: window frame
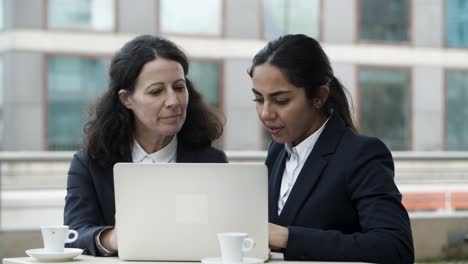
{"x":358,"y":100}
{"x":45,"y":90}
{"x":222,"y":34}
{"x":445,"y":103}
{"x":262,"y":21}
{"x":221,"y":88}
{"x":77,"y":30}
{"x":410,"y":40}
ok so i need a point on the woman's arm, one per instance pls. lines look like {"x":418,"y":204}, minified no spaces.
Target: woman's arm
{"x":82,"y":211}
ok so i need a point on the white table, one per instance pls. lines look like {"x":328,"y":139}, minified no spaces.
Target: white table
{"x":83,"y":259}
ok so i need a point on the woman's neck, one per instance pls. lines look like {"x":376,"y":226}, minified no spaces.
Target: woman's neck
{"x":152,"y":143}
{"x":316,"y":125}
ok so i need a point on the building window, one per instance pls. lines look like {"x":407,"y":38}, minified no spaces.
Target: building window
{"x":291,"y":17}
{"x":188,"y":17}
{"x":73,"y":83}
{"x":457,"y":110}
{"x":1,"y":102}
{"x":384,"y":107}
{"x":384,"y":20}
{"x":1,"y":14}
{"x":206,"y":78}
{"x":98,"y":15}
{"x":456,"y":19}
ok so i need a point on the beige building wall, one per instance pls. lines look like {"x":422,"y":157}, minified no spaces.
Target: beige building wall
{"x":428,"y":108}
{"x":243,"y":129}
{"x":24,"y":113}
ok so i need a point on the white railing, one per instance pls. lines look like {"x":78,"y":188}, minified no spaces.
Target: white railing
{"x":48,"y":170}
{"x":33,"y":183}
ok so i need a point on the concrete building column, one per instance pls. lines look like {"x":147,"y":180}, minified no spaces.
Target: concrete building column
{"x":24,"y":113}
{"x":428,"y":108}
{"x":243,"y":130}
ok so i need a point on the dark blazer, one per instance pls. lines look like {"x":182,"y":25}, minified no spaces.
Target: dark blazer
{"x":344,"y":205}
{"x":90,"y":204}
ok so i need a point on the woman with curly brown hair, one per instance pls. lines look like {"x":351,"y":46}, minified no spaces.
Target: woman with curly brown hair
{"x":150,"y":113}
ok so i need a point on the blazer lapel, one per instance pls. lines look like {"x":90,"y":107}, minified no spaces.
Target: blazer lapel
{"x":305,"y":183}
{"x":312,"y":169}
{"x":275,"y":185}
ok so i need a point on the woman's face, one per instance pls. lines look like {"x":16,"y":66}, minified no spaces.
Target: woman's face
{"x":282,"y":107}
{"x":160,"y":98}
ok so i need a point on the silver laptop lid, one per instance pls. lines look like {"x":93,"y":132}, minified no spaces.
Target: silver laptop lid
{"x":172,"y":212}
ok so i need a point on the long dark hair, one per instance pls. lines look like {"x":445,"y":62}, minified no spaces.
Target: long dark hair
{"x":108,"y":135}
{"x":304,"y":63}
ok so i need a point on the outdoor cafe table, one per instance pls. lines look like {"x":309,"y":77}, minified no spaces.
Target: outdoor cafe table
{"x":83,"y":259}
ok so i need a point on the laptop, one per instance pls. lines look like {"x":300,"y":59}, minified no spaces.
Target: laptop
{"x":172,"y":212}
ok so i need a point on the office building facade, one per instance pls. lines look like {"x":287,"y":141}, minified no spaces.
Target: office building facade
{"x":404,"y":62}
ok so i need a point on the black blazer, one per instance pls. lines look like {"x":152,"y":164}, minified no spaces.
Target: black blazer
{"x":90,"y":204}
{"x":344,"y":205}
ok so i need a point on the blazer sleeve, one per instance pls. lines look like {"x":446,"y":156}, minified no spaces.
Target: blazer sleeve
{"x":221,"y":157}
{"x":82,"y":212}
{"x":385,"y":235}
{"x":212,"y":155}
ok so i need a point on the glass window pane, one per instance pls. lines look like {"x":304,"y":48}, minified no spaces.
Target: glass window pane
{"x":457,"y":110}
{"x":1,"y":14}
{"x":291,"y":17}
{"x":384,"y":20}
{"x":205,"y":77}
{"x":384,"y":92}
{"x":203,"y":17}
{"x":73,"y":83}
{"x":84,"y":14}
{"x":456,"y":15}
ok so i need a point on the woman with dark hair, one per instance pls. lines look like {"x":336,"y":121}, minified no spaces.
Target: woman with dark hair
{"x":332,"y":194}
{"x":150,"y":113}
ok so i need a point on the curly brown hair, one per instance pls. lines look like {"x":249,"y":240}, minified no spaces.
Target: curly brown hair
{"x":109,"y":133}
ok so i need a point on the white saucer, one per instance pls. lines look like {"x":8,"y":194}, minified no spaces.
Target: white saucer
{"x":67,"y":254}
{"x":218,"y":260}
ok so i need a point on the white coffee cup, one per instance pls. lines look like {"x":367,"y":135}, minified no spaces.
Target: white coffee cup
{"x":55,"y":237}
{"x":234,"y":245}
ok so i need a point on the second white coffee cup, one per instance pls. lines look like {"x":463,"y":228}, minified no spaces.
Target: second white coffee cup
{"x":55,"y":237}
{"x":233,"y":246}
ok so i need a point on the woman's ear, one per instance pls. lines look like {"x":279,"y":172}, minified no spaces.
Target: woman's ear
{"x":322,"y":96}
{"x":124,"y":99}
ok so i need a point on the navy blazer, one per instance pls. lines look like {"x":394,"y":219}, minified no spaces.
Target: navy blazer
{"x":90,"y":201}
{"x":344,"y":205}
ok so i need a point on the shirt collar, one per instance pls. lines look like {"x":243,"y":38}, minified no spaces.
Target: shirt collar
{"x":164,"y":155}
{"x":303,"y":149}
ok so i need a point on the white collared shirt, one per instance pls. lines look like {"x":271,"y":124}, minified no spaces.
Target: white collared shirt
{"x":297,"y":156}
{"x":168,"y":154}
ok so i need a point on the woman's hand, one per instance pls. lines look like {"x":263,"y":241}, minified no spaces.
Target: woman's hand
{"x":277,"y":236}
{"x":108,"y":239}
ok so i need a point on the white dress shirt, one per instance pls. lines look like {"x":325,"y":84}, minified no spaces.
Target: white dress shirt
{"x":168,"y":154}
{"x":297,"y":156}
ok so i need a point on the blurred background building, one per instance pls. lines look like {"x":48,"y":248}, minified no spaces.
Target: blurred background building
{"x":404,"y":62}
